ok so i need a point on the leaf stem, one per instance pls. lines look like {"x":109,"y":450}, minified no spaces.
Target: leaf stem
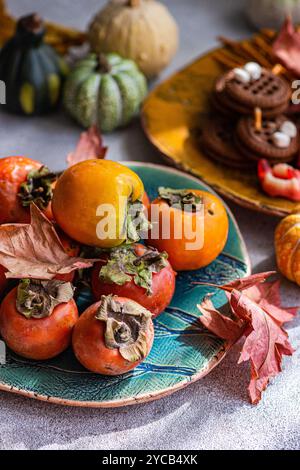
{"x":224,"y":288}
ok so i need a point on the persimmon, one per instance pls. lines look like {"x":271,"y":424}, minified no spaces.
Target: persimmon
{"x":23,"y":181}
{"x":191,"y":225}
{"x":93,"y":203}
{"x":72,"y":249}
{"x":37,"y":318}
{"x":3,"y":280}
{"x":137,"y":272}
{"x":146,"y":201}
{"x":113,"y":336}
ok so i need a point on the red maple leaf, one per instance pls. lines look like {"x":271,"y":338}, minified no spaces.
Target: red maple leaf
{"x":89,"y":146}
{"x":258,"y":315}
{"x":286,"y":47}
{"x":222,"y":326}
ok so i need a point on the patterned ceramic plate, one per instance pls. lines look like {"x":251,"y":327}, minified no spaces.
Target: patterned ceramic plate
{"x":182,"y":353}
{"x":172,"y":116}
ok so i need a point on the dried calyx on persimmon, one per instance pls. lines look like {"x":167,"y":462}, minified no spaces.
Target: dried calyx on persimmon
{"x":113,"y":336}
{"x":38,"y":299}
{"x":126,"y":327}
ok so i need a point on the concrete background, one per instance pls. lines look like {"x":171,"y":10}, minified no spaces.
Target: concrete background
{"x":213,"y":413}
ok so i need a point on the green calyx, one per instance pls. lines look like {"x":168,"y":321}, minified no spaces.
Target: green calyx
{"x":37,"y":299}
{"x":181,"y":199}
{"x":126,"y":327}
{"x":124,"y":264}
{"x":37,"y":188}
{"x":137,"y":223}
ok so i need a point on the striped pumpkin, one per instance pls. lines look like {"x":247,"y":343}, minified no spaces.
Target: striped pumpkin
{"x":287,"y":247}
{"x":31,"y":70}
{"x":105,"y":90}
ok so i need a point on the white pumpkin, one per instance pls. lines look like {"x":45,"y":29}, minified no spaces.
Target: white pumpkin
{"x":272,"y":13}
{"x":141,"y":30}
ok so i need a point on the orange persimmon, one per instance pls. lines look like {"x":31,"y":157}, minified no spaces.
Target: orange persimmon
{"x":113,"y":336}
{"x":146,"y":201}
{"x":3,"y":280}
{"x":37,"y":338}
{"x":91,"y":202}
{"x":16,"y":193}
{"x":190,"y":225}
{"x":151,"y":281}
{"x":72,"y":249}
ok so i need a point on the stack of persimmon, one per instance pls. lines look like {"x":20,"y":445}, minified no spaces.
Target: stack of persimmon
{"x":100,"y":207}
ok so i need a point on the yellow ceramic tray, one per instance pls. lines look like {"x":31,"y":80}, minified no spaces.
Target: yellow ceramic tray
{"x":172,"y":116}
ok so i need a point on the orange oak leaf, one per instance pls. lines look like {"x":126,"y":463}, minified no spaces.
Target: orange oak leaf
{"x":35,"y":251}
{"x":258,"y":315}
{"x":90,"y":145}
{"x":286,"y":47}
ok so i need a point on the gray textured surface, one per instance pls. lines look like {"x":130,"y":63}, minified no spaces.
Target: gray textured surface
{"x":213,"y":413}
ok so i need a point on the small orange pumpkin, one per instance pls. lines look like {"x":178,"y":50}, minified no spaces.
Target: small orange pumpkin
{"x":287,"y":247}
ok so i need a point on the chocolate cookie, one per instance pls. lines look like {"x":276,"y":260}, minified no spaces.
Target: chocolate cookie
{"x":225,"y":105}
{"x":277,"y":140}
{"x":269,"y":92}
{"x":217,"y":141}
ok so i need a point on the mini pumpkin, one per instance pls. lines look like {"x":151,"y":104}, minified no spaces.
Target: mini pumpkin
{"x":272,"y":13}
{"x":31,"y":70}
{"x":142,"y":30}
{"x":105,"y":90}
{"x":287,"y":247}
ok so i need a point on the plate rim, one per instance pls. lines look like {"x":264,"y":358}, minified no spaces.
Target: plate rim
{"x":147,"y":397}
{"x":167,"y":157}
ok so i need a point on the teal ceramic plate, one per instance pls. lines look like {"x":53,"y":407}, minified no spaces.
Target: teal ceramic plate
{"x":182,"y":353}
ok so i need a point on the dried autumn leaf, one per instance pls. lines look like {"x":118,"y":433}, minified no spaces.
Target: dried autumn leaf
{"x":264,"y":346}
{"x":90,"y":145}
{"x":286,"y":47}
{"x":258,"y":315}
{"x":267,"y":296}
{"x":249,"y":281}
{"x":222,"y":326}
{"x":242,"y":283}
{"x":35,"y":251}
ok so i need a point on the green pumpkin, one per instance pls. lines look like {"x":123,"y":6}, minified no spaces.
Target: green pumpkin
{"x":105,"y":90}
{"x":32,"y":71}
